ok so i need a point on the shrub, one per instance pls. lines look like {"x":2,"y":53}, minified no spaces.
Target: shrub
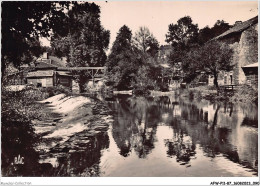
{"x":164,"y":87}
{"x":141,"y":91}
{"x":191,"y":95}
{"x":245,"y":93}
{"x":199,"y":95}
{"x":18,"y":137}
{"x":52,"y":91}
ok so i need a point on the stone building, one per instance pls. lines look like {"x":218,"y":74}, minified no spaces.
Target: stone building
{"x":243,"y":38}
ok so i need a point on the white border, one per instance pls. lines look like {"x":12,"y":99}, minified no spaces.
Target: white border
{"x":132,"y":180}
{"x":126,"y":180}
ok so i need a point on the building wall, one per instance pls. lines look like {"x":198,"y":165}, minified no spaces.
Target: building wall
{"x":64,"y":81}
{"x":224,"y":78}
{"x":251,"y":76}
{"x":245,"y":52}
{"x":75,"y":87}
{"x":44,"y":81}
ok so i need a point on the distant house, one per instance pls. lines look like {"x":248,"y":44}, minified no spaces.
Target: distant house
{"x":224,"y":78}
{"x":163,"y":53}
{"x":175,"y":79}
{"x":47,"y":71}
{"x":243,"y":39}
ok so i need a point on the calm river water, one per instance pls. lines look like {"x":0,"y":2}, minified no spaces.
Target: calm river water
{"x":157,"y":136}
{"x":167,"y":136}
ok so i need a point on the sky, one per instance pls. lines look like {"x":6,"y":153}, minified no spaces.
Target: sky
{"x":157,"y":15}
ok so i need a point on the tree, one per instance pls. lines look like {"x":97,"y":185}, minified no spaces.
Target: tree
{"x":147,"y":76}
{"x":182,"y":36}
{"x":123,"y":60}
{"x":22,"y":25}
{"x":220,"y":27}
{"x":191,"y":65}
{"x":84,"y":40}
{"x":214,"y":57}
{"x":183,"y":33}
{"x":205,"y":34}
{"x":146,"y":42}
{"x":121,"y":45}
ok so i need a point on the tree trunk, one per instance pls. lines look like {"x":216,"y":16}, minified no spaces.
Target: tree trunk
{"x":3,"y":67}
{"x":82,"y":82}
{"x":215,"y":120}
{"x":216,"y":80}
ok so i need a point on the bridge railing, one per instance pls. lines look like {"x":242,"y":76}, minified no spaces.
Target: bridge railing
{"x":228,"y":88}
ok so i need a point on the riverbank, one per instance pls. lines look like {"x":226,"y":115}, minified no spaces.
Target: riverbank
{"x":244,"y":94}
{"x":44,"y":132}
{"x":70,"y":115}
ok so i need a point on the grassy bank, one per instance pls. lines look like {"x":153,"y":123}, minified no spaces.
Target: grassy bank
{"x":244,"y":94}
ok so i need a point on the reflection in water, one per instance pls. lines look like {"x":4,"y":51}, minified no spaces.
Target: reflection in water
{"x":156,"y":136}
{"x":79,"y":156}
{"x":82,"y":159}
{"x":181,"y":147}
{"x":221,"y":130}
{"x":134,"y":127}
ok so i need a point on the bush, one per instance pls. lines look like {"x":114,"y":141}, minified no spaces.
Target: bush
{"x":191,"y":95}
{"x":141,"y":91}
{"x":164,"y":87}
{"x":52,"y":91}
{"x":244,"y":94}
{"x":18,"y":137}
{"x":199,"y":95}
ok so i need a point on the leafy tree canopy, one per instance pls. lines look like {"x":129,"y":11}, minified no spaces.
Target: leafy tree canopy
{"x":211,"y":58}
{"x":83,"y":41}
{"x":220,"y":27}
{"x":206,"y":33}
{"x":146,"y":42}
{"x":23,"y":22}
{"x":123,"y":60}
{"x":183,"y":33}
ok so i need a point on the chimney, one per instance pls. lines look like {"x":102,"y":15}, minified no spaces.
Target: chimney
{"x":45,"y":55}
{"x":64,"y":60}
{"x":237,"y":23}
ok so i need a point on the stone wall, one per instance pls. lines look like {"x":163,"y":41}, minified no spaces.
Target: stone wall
{"x":245,"y":52}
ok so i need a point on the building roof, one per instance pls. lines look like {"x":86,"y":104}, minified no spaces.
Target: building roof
{"x":239,"y":27}
{"x":57,"y":61}
{"x":44,"y":64}
{"x":165,"y":65}
{"x":41,"y":73}
{"x":51,"y":62}
{"x":62,"y":73}
{"x":165,"y":47}
{"x":81,"y":68}
{"x":251,"y":65}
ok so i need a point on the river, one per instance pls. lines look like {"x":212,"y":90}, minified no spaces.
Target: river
{"x":167,"y":136}
{"x":159,"y":136}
